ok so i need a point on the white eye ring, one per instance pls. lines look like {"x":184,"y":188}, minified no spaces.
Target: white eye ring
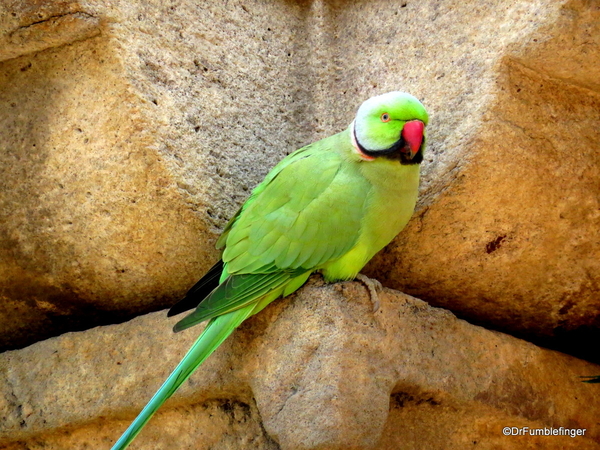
{"x":385,"y":117}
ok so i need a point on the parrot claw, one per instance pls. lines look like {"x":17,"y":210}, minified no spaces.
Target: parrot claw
{"x":373,"y":286}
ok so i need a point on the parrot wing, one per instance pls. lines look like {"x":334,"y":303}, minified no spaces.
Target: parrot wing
{"x":212,"y":278}
{"x":307,"y":212}
{"x":291,"y":158}
{"x":234,"y":293}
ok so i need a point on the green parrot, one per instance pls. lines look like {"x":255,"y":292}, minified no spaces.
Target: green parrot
{"x":327,"y":207}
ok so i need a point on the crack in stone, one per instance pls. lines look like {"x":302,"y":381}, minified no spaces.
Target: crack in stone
{"x":294,"y":390}
{"x":54,"y":31}
{"x":78,"y":15}
{"x":49,"y":18}
{"x":15,"y":402}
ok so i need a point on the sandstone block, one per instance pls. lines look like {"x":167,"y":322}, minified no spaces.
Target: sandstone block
{"x":130,"y":134}
{"x":318,"y":370}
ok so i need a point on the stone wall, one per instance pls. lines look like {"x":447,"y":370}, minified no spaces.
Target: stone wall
{"x":130,"y":131}
{"x":317,"y":370}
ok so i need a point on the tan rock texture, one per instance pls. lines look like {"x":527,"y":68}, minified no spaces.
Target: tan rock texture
{"x":318,"y":370}
{"x":513,"y":241}
{"x":131,"y":131}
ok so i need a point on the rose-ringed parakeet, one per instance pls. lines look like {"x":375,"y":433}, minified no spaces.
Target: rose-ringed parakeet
{"x":328,"y":207}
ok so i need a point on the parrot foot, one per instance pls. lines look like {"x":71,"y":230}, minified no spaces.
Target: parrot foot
{"x":373,"y":286}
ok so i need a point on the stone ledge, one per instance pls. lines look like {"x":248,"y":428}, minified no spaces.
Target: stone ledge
{"x":315,"y":370}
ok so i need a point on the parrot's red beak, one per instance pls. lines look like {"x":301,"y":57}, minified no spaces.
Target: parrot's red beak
{"x":412,"y":133}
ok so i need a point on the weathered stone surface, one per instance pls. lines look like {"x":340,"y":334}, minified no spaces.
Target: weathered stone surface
{"x":512,"y":241}
{"x":318,"y":370}
{"x":115,"y":173}
{"x":130,"y":140}
{"x":45,"y":30}
{"x":92,"y":221}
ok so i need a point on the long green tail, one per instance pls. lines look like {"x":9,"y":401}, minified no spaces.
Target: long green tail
{"x":213,"y":335}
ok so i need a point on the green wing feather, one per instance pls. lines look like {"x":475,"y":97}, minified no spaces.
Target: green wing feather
{"x":292,"y":157}
{"x":282,"y":228}
{"x":281,"y":235}
{"x":236,"y":292}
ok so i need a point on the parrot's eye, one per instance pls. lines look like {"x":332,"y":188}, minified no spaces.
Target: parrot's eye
{"x":385,"y":117}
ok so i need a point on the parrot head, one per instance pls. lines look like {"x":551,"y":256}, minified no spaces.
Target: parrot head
{"x":391,"y":126}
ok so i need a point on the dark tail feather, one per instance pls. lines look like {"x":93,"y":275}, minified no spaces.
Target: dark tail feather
{"x":199,"y":291}
{"x":591,"y":379}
